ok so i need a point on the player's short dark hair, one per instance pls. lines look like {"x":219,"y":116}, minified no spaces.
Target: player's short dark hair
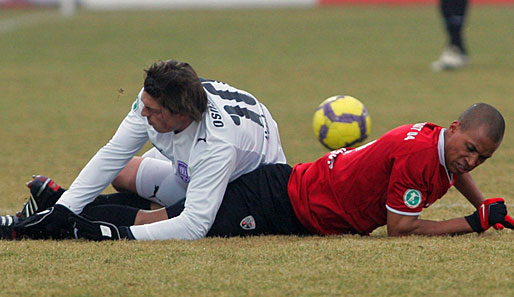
{"x":483,"y":114}
{"x":176,"y":87}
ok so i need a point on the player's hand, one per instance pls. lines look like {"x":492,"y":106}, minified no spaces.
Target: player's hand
{"x":50,"y":223}
{"x":492,"y":212}
{"x":98,"y":230}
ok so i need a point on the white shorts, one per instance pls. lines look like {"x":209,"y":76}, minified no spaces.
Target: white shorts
{"x":157,"y":181}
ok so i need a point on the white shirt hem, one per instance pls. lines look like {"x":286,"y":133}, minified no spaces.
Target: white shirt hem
{"x":403,"y":213}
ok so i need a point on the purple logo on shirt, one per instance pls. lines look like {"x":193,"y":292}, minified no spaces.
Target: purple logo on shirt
{"x":182,"y":171}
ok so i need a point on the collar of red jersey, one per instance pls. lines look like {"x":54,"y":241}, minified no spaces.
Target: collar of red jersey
{"x":440,"y":151}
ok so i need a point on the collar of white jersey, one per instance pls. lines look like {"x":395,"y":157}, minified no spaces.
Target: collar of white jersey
{"x":440,"y":150}
{"x":190,"y":129}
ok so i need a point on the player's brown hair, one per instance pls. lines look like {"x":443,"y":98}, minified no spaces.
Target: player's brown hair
{"x":480,"y":114}
{"x":176,"y":87}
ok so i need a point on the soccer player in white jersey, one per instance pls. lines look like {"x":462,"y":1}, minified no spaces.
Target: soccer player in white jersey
{"x":205,"y":134}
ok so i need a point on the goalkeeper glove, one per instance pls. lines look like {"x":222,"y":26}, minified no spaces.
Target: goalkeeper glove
{"x":50,"y":223}
{"x":492,"y":212}
{"x":98,"y":230}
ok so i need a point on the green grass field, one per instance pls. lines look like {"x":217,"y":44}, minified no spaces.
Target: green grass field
{"x":60,"y":103}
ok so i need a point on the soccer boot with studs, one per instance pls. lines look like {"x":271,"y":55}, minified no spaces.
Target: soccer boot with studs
{"x":44,"y":192}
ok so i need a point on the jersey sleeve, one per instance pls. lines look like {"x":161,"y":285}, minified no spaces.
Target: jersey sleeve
{"x":101,"y":170}
{"x":209,"y":178}
{"x":408,"y":187}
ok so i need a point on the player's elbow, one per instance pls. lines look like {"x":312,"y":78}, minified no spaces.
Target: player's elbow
{"x":401,"y":225}
{"x":197,"y":234}
{"x":181,"y":227}
{"x":198,"y":228}
{"x":396,"y":233}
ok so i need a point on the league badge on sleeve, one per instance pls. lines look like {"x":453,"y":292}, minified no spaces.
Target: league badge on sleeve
{"x":412,"y":198}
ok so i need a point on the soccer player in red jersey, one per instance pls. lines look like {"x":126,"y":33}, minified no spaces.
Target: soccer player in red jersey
{"x":389,"y":181}
{"x":354,"y":191}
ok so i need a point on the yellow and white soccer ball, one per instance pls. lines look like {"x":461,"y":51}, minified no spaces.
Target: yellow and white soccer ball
{"x":341,"y":121}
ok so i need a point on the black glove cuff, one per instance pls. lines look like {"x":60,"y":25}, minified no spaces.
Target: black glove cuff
{"x":474,"y":221}
{"x":126,"y":233}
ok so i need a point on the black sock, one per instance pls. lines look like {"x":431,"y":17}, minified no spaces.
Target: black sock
{"x":454,"y":12}
{"x":60,"y":191}
{"x":119,"y":209}
{"x":175,"y":209}
{"x":122,"y":198}
{"x":119,"y":215}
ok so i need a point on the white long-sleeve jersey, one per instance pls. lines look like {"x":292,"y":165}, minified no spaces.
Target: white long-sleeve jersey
{"x":235,"y":136}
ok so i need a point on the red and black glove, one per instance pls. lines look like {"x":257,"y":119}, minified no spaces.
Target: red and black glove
{"x":492,"y":212}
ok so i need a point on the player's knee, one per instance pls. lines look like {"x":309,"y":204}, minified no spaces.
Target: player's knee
{"x":126,"y":179}
{"x":120,"y":182}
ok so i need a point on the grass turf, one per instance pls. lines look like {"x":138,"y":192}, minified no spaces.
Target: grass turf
{"x":61,"y":102}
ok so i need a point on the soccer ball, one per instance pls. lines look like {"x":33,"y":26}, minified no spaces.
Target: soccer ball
{"x":341,"y":121}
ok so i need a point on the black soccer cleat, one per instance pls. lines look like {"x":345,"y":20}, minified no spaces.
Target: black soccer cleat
{"x":6,"y":227}
{"x":44,"y":192}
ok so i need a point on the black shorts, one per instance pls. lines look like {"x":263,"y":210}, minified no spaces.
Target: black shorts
{"x":258,"y":203}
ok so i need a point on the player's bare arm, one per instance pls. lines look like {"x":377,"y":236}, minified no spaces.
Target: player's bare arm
{"x":401,"y":225}
{"x":467,"y":187}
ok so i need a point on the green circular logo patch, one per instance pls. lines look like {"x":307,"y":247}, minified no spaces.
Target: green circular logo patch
{"x":134,"y":107}
{"x":412,"y":198}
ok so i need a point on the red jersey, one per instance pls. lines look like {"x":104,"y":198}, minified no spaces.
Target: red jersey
{"x":350,"y":190}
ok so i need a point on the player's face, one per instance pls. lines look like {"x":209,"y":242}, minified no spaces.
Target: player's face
{"x":161,"y":119}
{"x":465,"y":150}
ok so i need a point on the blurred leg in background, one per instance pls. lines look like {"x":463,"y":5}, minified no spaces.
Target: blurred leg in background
{"x":454,"y":54}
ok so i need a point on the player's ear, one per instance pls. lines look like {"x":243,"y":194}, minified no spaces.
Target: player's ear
{"x":454,"y":127}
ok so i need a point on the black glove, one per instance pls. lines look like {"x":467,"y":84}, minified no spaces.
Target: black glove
{"x":51,"y":223}
{"x":98,"y":230}
{"x":492,"y":212}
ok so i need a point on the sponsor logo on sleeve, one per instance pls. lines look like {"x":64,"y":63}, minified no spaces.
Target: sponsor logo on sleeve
{"x":412,"y":198}
{"x":134,"y":106}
